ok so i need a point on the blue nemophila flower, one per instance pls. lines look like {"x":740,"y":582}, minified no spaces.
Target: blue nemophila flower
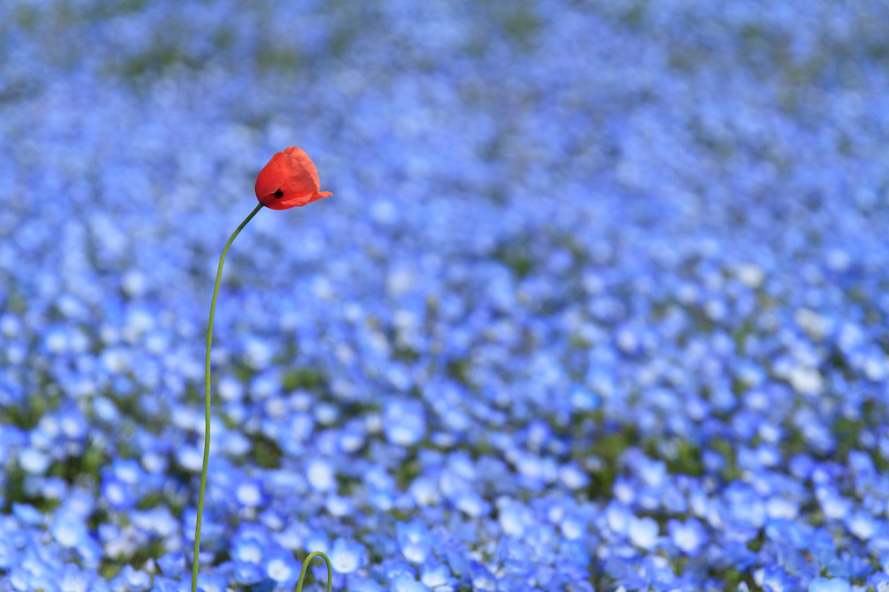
{"x":799,"y":536}
{"x":163,"y":584}
{"x":405,"y":583}
{"x":482,"y":578}
{"x":643,"y":532}
{"x":514,"y":517}
{"x":209,"y":582}
{"x":353,"y":437}
{"x":34,"y":461}
{"x":471,"y":503}
{"x":404,"y":422}
{"x":572,"y":561}
{"x":117,"y":493}
{"x":72,"y":423}
{"x":249,"y":493}
{"x":572,"y":524}
{"x":282,"y":567}
{"x":437,"y":577}
{"x":69,"y":530}
{"x":392,"y":567}
{"x":8,"y":554}
{"x":833,"y":504}
{"x":657,"y":573}
{"x":249,"y":550}
{"x":75,"y":579}
{"x":53,"y":488}
{"x":248,"y":573}
{"x":864,"y":525}
{"x":317,"y":540}
{"x":776,"y":578}
{"x":414,"y":540}
{"x":581,"y":586}
{"x":362,"y":584}
{"x":624,"y":574}
{"x":346,"y":556}
{"x":339,"y":506}
{"x":879,"y":580}
{"x":321,"y":475}
{"x":280,"y":483}
{"x":236,"y":444}
{"x":829,"y":585}
{"x":688,"y":536}
{"x":27,"y":514}
{"x":157,"y":521}
{"x":132,"y":580}
{"x":514,"y":557}
{"x":850,"y":566}
{"x":425,"y":491}
{"x":172,"y":564}
{"x":822,"y":546}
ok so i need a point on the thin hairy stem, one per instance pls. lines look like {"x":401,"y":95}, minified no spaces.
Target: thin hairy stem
{"x":302,"y":574}
{"x":197,"y":527}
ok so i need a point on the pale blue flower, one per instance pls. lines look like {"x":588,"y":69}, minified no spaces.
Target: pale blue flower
{"x":346,"y":556}
{"x":829,"y":585}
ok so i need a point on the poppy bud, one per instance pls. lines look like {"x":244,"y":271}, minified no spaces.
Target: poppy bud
{"x":289,"y":179}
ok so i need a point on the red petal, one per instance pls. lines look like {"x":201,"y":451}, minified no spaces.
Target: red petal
{"x":303,"y":159}
{"x":298,"y":185}
{"x":271,"y":177}
{"x":297,"y":200}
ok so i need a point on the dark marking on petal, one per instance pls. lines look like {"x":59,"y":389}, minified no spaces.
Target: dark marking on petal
{"x":278,"y":194}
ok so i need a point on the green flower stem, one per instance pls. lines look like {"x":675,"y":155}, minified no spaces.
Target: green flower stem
{"x":197,"y":526}
{"x":302,"y":573}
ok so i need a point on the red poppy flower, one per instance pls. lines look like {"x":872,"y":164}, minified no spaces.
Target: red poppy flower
{"x":289,"y":179}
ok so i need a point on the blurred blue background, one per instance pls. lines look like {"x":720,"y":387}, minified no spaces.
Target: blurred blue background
{"x":599,"y":302}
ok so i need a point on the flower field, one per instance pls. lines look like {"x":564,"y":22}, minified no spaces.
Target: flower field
{"x":600,"y":301}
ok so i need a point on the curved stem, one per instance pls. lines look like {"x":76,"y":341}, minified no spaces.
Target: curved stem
{"x":302,"y":574}
{"x":197,"y":527}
